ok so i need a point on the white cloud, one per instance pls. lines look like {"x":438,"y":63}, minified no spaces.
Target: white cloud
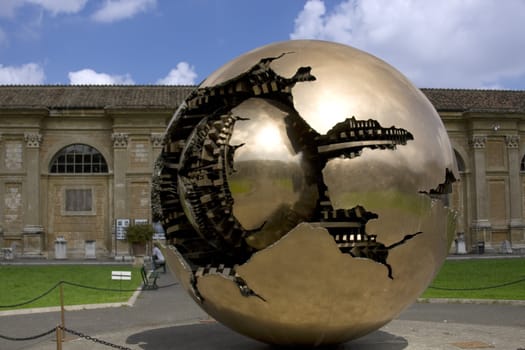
{"x":184,"y":74}
{"x":59,"y":6}
{"x":8,"y":7}
{"x":471,"y":44}
{"x":90,"y":77}
{"x":30,"y":73}
{"x":116,"y":10}
{"x":310,"y":22}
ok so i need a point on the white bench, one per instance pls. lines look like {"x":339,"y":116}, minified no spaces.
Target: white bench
{"x":121,"y":275}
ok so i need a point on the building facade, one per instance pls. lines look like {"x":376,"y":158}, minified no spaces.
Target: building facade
{"x":76,"y":165}
{"x":486,"y":129}
{"x":75,"y":161}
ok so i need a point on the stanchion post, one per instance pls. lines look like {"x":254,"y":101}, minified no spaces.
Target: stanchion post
{"x":62,"y":316}
{"x":59,"y":338}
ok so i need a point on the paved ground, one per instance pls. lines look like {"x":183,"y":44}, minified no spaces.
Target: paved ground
{"x":168,"y":319}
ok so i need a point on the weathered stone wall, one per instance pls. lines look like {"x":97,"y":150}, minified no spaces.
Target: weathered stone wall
{"x":490,"y":197}
{"x":78,"y":227}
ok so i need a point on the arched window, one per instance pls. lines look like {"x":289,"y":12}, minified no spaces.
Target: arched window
{"x":78,"y":159}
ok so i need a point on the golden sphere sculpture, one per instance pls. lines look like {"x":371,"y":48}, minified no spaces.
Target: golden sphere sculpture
{"x":303,"y":188}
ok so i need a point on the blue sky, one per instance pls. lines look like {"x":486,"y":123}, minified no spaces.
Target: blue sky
{"x":437,"y":44}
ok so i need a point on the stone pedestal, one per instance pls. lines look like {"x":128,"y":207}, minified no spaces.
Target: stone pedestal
{"x":90,"y":249}
{"x":506,"y":247}
{"x":60,"y":248}
{"x":481,"y":237}
{"x":461,"y":247}
{"x":33,"y":241}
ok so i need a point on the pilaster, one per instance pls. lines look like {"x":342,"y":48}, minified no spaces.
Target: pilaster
{"x":157,"y":139}
{"x":32,"y":168}
{"x":33,"y":232}
{"x":157,"y":142}
{"x":516,"y":223}
{"x":120,"y":167}
{"x":481,"y":230}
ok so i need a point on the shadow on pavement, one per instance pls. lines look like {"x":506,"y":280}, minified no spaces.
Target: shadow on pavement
{"x":215,"y":336}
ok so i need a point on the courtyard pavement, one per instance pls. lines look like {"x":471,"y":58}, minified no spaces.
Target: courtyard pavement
{"x":167,"y":318}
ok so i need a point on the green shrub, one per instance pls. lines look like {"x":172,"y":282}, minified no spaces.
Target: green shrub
{"x":140,"y":233}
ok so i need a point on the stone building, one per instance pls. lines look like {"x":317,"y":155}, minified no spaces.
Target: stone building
{"x":74,"y":160}
{"x":76,"y":165}
{"x":486,"y":129}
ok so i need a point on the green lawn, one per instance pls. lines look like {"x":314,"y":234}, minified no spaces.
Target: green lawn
{"x":23,"y":283}
{"x":476,"y":275}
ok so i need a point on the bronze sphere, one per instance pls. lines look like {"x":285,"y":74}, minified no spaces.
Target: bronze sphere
{"x":303,"y":188}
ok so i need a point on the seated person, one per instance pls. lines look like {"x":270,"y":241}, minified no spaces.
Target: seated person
{"x":158,"y":258}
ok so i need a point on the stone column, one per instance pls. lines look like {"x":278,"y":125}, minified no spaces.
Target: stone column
{"x":481,"y":227}
{"x":120,"y":168}
{"x":157,"y":142}
{"x":32,"y":233}
{"x":516,"y":220}
{"x":32,"y":166}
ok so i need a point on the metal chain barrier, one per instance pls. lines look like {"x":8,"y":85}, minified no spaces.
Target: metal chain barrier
{"x":77,"y":333}
{"x":97,"y":288}
{"x":28,"y":338}
{"x":61,"y":327}
{"x":74,"y":285}
{"x":93,"y":339}
{"x":32,"y":300}
{"x":169,"y":285}
{"x":480,"y":288}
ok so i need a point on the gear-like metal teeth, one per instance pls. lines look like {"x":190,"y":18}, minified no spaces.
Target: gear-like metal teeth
{"x":206,"y":188}
{"x":260,"y":80}
{"x":348,"y":138}
{"x":209,"y":157}
{"x":220,"y":269}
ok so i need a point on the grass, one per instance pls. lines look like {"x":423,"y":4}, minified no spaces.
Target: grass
{"x":23,"y":283}
{"x":478,"y":274}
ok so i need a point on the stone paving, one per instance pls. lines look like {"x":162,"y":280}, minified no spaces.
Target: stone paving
{"x":168,"y":319}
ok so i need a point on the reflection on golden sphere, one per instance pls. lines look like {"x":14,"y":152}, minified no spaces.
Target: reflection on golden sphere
{"x":303,"y":188}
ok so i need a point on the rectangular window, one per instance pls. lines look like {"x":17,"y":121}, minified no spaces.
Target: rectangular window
{"x":79,"y":200}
